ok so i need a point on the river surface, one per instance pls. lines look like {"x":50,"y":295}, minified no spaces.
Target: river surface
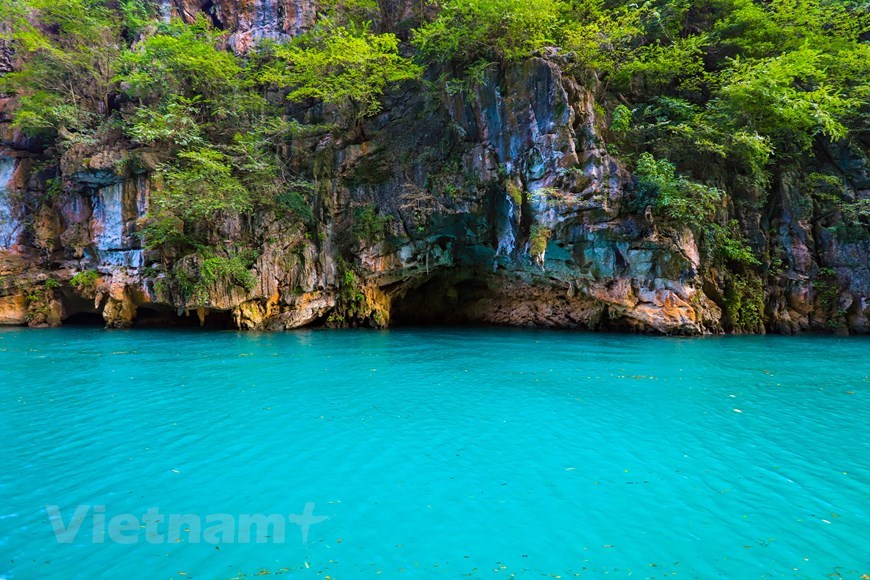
{"x":413,"y":453}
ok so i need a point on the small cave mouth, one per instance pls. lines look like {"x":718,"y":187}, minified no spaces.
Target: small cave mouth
{"x":80,"y":311}
{"x":157,"y":316}
{"x":212,"y":11}
{"x":84,"y":319}
{"x":443,"y":300}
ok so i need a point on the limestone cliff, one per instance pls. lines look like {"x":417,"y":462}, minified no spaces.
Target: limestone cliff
{"x":525,"y":221}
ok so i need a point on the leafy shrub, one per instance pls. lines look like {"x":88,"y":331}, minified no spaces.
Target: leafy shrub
{"x":671,"y":195}
{"x":164,"y":230}
{"x":200,"y":184}
{"x":193,"y":278}
{"x":293,"y":201}
{"x":744,"y":302}
{"x":172,"y":121}
{"x":84,"y":280}
{"x":621,"y":120}
{"x":348,"y":66}
{"x":181,"y":59}
{"x":471,"y":32}
{"x":538,"y":238}
{"x":67,"y":53}
{"x":729,"y":246}
{"x":235,"y":270}
{"x":369,"y":224}
{"x":788,"y":98}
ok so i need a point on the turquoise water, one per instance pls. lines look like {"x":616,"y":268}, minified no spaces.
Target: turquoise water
{"x":436,"y":453}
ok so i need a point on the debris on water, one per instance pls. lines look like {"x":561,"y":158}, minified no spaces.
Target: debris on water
{"x":737,"y":411}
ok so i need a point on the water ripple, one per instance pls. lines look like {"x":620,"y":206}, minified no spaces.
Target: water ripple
{"x":440,"y":452}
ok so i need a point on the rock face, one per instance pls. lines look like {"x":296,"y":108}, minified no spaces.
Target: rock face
{"x":531,"y":139}
{"x":505,"y":206}
{"x":249,"y":21}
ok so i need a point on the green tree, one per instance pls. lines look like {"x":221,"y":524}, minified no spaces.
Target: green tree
{"x":673,"y":196}
{"x":68,"y":51}
{"x":787,"y":98}
{"x":469,"y":32}
{"x":200,"y":183}
{"x":348,"y":66}
{"x":185,"y":88}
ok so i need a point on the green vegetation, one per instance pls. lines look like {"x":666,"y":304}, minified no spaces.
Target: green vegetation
{"x":477,"y":32}
{"x":352,"y":305}
{"x":514,"y":192}
{"x":730,"y":248}
{"x":39,"y":302}
{"x":348,"y":66}
{"x":193,"y":278}
{"x":713,"y":93}
{"x":538,"y":238}
{"x":235,"y":270}
{"x":673,"y":196}
{"x":722,"y":89}
{"x":84,"y":280}
{"x":66,"y":85}
{"x":368,"y":224}
{"x":92,"y":75}
{"x":737,"y":265}
{"x":744,"y":302}
{"x":827,"y":288}
{"x":292,"y":201}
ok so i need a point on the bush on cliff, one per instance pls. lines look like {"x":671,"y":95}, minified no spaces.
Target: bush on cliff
{"x":185,"y":89}
{"x":69,"y":50}
{"x":682,"y":201}
{"x":347,"y":66}
{"x":468,"y":32}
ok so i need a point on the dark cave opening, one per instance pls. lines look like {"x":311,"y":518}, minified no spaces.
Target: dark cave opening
{"x":80,"y":311}
{"x":157,"y":316}
{"x":84,"y":319}
{"x":475,"y":298}
{"x":443,"y":300}
{"x":212,"y":10}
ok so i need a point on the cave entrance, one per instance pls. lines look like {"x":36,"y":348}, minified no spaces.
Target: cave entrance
{"x":157,"y":316}
{"x":80,"y":311}
{"x":443,"y":300}
{"x":84,"y":319}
